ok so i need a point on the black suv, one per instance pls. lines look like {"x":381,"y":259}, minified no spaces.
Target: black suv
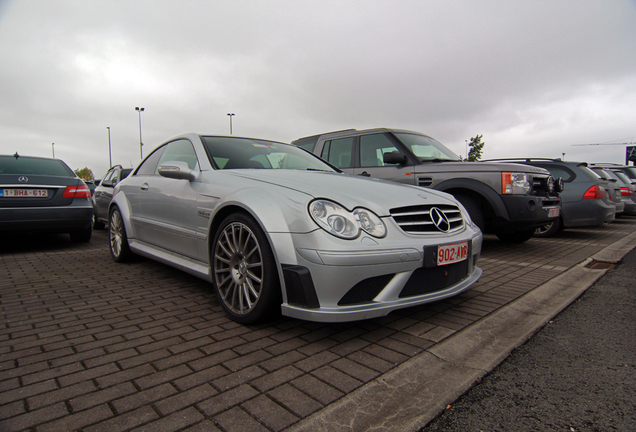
{"x":104,"y":193}
{"x":508,"y":200}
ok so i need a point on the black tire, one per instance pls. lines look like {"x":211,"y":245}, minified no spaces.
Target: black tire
{"x":244,"y":273}
{"x":549,"y":229}
{"x":97,"y":225}
{"x":516,"y":236}
{"x":82,"y":236}
{"x":473,"y":209}
{"x":117,"y":238}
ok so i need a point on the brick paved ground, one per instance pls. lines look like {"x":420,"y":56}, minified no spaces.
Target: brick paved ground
{"x":88,"y":344}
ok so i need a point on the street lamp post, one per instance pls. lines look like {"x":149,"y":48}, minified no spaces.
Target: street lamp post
{"x":141,"y":143}
{"x":110,"y":155}
{"x":230,"y":115}
{"x":53,"y":149}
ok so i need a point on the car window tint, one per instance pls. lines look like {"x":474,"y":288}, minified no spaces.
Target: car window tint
{"x":246,"y":153}
{"x":181,"y":151}
{"x":149,"y":167}
{"x":34,"y":166}
{"x":338,"y":152}
{"x":372,"y":149}
{"x":557,"y":171}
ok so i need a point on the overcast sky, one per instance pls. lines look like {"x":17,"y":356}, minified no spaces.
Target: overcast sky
{"x":534,"y":77}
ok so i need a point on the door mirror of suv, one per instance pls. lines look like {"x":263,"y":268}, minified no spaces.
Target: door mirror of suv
{"x":394,"y":158}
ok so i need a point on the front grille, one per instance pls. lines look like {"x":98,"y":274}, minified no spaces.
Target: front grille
{"x":365,"y":291}
{"x":429,"y":280}
{"x":417,"y":219}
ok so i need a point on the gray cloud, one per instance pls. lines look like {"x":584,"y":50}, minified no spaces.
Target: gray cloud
{"x":533,"y":77}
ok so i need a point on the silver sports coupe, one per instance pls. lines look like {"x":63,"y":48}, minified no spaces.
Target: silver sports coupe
{"x":275,"y":229}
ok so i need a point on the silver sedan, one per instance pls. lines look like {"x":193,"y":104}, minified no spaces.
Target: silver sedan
{"x":276,"y":229}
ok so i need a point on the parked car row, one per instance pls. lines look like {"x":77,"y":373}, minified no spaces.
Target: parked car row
{"x":280,"y":228}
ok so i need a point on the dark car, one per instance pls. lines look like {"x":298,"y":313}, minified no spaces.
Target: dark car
{"x":585,"y":199}
{"x":104,"y":193}
{"x":43,"y":195}
{"x":508,"y":200}
{"x":614,"y":187}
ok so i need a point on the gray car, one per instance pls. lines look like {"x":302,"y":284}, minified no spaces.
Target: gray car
{"x":103,"y":193}
{"x":586,"y":198}
{"x":43,"y":195}
{"x":274,"y":228}
{"x":614,"y":188}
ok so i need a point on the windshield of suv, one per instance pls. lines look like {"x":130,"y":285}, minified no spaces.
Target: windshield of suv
{"x":426,"y":148}
{"x":245,"y":153}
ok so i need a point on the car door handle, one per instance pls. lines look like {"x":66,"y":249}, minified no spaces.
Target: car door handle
{"x":144,"y":186}
{"x":366,"y":174}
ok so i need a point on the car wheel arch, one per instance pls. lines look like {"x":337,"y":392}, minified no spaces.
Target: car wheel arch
{"x":477,"y":191}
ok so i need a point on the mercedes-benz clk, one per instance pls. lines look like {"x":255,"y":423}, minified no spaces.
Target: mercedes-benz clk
{"x":275,"y":229}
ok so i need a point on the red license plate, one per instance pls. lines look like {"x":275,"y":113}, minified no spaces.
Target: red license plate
{"x":26,"y":193}
{"x":448,"y":254}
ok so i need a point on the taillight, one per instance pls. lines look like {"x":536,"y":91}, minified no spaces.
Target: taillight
{"x":625,"y":191}
{"x":78,"y":191}
{"x":595,"y":192}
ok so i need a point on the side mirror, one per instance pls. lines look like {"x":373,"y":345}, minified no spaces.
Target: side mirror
{"x":394,"y":158}
{"x":108,"y":183}
{"x":177,"y":170}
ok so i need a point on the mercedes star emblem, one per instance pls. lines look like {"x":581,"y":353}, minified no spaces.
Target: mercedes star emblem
{"x":440,"y":220}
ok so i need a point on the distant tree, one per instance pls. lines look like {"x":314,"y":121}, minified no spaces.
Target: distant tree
{"x":85,"y":174}
{"x":476,"y":147}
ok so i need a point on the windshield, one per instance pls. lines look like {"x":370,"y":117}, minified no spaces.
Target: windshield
{"x":426,"y":148}
{"x":241,"y":153}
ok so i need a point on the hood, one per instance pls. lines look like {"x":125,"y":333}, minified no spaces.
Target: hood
{"x":469,"y":166}
{"x":348,"y":190}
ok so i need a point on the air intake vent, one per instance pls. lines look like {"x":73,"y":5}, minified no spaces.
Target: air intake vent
{"x":428,"y":218}
{"x":424,"y":181}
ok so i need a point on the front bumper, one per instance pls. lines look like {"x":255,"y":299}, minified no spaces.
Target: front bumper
{"x":526,"y":212}
{"x":329,"y":285}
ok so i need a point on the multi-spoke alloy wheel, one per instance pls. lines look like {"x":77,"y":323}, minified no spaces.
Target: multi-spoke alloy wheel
{"x":245,"y":277}
{"x":118,"y":240}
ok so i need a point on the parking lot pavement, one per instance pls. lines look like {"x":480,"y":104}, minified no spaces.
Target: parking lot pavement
{"x":89,"y":344}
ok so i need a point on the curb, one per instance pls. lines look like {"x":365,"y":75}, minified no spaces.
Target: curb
{"x":409,"y":396}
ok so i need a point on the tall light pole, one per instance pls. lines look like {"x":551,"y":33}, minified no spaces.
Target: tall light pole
{"x":53,"y":149}
{"x":141,"y":143}
{"x":110,"y":155}
{"x":231,"y":115}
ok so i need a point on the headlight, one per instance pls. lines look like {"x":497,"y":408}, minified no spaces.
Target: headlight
{"x":514,"y":183}
{"x":338,"y":221}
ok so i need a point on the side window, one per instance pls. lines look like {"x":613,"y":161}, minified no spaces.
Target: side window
{"x":149,"y":167}
{"x":180,"y":150}
{"x":338,"y":152}
{"x":372,"y":149}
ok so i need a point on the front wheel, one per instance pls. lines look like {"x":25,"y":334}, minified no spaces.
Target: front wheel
{"x":118,"y":240}
{"x":245,"y":277}
{"x":549,"y":229}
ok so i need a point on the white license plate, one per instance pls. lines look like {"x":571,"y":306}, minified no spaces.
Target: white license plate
{"x":553,"y":212}
{"x":448,"y":254}
{"x":26,"y":193}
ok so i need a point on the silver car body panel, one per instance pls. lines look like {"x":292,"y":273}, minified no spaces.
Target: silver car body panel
{"x":172,"y":221}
